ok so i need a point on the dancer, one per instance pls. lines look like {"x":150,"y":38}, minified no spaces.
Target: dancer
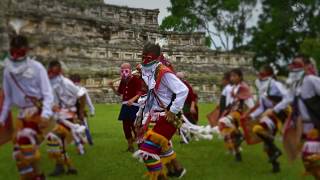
{"x":26,"y":85}
{"x":67,"y":95}
{"x":190,"y":108}
{"x":271,"y":92}
{"x":165,"y":99}
{"x":305,"y":98}
{"x":131,"y":89}
{"x":229,"y":124}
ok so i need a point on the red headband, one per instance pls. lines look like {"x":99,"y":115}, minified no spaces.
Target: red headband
{"x":17,"y":53}
{"x":148,"y":57}
{"x":296,"y":64}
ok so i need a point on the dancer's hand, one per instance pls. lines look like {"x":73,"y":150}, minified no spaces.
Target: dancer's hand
{"x":268,"y":113}
{"x":193,"y":110}
{"x":2,"y":124}
{"x":55,"y":108}
{"x":44,"y":123}
{"x":130,"y":102}
{"x":170,"y":116}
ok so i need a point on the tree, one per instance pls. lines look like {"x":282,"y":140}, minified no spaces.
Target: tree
{"x":225,"y":20}
{"x":312,"y":48}
{"x":282,"y":28}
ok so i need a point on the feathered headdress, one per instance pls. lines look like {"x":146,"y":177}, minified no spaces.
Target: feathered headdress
{"x":18,"y":24}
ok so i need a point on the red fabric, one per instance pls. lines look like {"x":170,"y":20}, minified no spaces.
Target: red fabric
{"x":263,"y":75}
{"x":192,"y":96}
{"x":128,"y":128}
{"x":129,"y":88}
{"x":243,"y":92}
{"x":165,"y":62}
{"x":162,"y":71}
{"x":311,"y":70}
{"x":148,"y":57}
{"x":17,"y":53}
{"x":296,"y":64}
{"x":164,"y":128}
{"x":23,"y":141}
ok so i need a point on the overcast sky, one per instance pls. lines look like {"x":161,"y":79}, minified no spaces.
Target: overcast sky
{"x":162,"y":5}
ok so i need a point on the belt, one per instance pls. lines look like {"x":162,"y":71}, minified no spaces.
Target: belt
{"x":126,"y":102}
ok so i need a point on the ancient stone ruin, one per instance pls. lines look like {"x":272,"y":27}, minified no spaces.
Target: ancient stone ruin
{"x":93,"y":40}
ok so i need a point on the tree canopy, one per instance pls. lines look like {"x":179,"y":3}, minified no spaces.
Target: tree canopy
{"x":283,"y":28}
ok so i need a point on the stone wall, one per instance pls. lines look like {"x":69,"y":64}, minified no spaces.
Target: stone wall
{"x":94,"y":40}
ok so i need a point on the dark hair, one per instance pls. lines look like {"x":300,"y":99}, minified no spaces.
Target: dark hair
{"x":54,"y":63}
{"x":305,"y":58}
{"x":238,"y":72}
{"x":152,"y":48}
{"x":19,"y":41}
{"x":226,"y":76}
{"x":75,"y":78}
{"x":267,"y":68}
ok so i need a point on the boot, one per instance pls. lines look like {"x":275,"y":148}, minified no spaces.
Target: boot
{"x":238,"y":157}
{"x":276,"y":153}
{"x":72,"y":171}
{"x":58,"y":171}
{"x":273,"y":151}
{"x":275,"y":167}
{"x":238,"y":139}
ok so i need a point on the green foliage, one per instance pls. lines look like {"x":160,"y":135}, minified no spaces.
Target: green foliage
{"x":312,"y":48}
{"x":227,"y":17}
{"x":281,"y":29}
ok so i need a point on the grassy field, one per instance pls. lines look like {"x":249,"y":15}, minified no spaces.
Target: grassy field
{"x":203,"y":160}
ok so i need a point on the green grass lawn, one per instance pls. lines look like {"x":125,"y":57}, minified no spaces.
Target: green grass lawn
{"x":203,"y":160}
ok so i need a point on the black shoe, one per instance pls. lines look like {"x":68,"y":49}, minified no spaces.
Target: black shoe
{"x":72,"y":171}
{"x":58,"y":171}
{"x":130,"y":149}
{"x":180,"y":173}
{"x":171,"y":174}
{"x":275,"y":155}
{"x":238,"y":157}
{"x":238,"y":139}
{"x":275,"y":167}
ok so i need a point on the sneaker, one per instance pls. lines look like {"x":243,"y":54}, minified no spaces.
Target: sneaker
{"x":181,"y":173}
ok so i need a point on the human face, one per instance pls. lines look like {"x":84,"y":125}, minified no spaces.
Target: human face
{"x":235,"y":78}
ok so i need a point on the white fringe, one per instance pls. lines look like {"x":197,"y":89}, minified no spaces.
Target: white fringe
{"x":188,"y":130}
{"x":142,"y":155}
{"x":311,"y":147}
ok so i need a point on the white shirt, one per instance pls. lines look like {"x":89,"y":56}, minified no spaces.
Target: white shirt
{"x":66,"y":92}
{"x":227,"y":92}
{"x":88,"y":100}
{"x":309,"y":87}
{"x":169,"y":85}
{"x":34,"y":81}
{"x":274,"y":88}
